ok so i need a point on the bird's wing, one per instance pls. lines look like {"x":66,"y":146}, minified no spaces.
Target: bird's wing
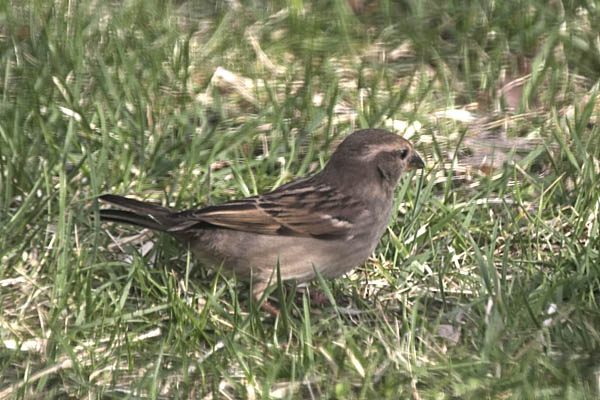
{"x":292,"y":210}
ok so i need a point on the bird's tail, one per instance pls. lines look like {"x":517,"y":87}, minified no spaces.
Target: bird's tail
{"x":140,"y":213}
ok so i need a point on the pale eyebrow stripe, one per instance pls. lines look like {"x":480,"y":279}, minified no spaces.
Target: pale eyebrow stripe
{"x":373,"y":150}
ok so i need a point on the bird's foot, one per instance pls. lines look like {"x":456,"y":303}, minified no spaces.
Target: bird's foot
{"x":271,"y":309}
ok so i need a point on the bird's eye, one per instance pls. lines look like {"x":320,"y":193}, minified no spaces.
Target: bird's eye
{"x":402,"y":153}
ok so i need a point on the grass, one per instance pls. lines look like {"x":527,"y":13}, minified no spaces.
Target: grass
{"x":486,"y":285}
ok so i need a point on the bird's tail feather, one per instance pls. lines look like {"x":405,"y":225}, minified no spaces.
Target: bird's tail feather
{"x":140,"y":213}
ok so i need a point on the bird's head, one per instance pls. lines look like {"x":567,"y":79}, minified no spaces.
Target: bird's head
{"x":372,"y":155}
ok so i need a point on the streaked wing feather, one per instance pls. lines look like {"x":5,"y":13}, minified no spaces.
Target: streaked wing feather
{"x":294,"y":210}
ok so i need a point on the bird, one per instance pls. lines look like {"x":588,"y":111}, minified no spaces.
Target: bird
{"x":330,"y":221}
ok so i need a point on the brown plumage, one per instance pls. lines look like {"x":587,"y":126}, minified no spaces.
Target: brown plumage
{"x":332,"y":220}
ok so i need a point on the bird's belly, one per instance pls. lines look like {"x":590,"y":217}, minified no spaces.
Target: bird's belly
{"x":249,"y":254}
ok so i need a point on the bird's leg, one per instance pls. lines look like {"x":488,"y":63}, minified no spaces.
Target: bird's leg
{"x":258,"y":290}
{"x":318,"y":298}
{"x":271,"y":309}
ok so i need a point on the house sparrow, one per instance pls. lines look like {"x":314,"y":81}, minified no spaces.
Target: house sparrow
{"x":331,"y":220}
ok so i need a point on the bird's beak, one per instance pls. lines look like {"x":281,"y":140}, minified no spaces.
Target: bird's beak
{"x":415,"y":162}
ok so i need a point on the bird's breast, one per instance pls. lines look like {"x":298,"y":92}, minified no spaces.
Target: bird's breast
{"x":249,"y":254}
